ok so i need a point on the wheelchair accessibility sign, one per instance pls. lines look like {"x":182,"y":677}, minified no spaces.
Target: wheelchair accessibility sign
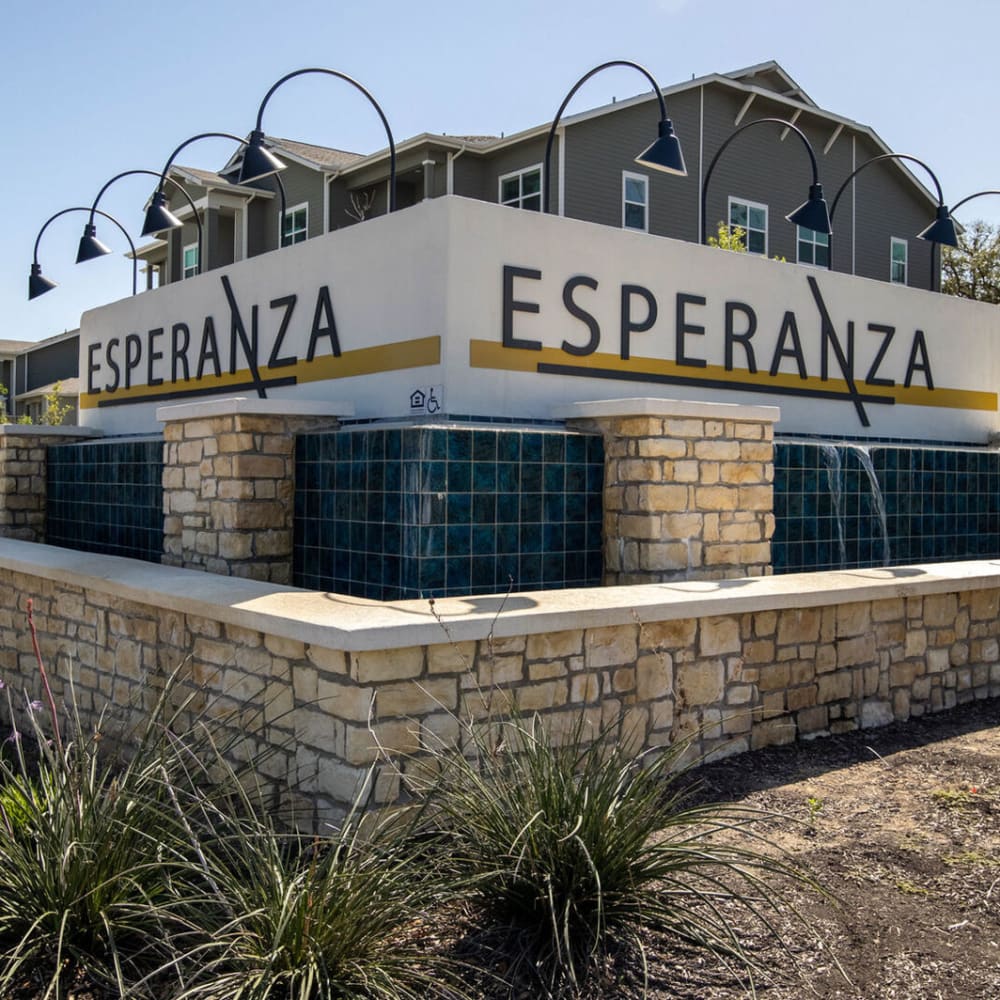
{"x":427,"y":399}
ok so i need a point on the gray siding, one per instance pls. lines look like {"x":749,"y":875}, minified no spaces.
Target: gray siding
{"x":51,"y":363}
{"x":303,"y":185}
{"x":599,"y":149}
{"x":511,"y":159}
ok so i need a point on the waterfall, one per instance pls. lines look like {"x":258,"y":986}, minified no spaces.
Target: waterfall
{"x":865,"y":461}
{"x":831,"y":457}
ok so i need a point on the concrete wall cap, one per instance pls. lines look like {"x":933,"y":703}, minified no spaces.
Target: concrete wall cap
{"x":47,"y":430}
{"x":336,"y":621}
{"x":256,"y":407}
{"x":681,"y":408}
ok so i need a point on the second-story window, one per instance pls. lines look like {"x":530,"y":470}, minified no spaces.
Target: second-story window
{"x":814,"y":248}
{"x":522,"y":189}
{"x":635,"y":201}
{"x":897,"y":262}
{"x":751,"y":217}
{"x":296,"y":225}
{"x":190,"y":260}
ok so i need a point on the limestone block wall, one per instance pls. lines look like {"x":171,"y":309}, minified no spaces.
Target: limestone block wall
{"x":23,"y":476}
{"x":688,"y":488}
{"x":330,"y":684}
{"x":229,"y":484}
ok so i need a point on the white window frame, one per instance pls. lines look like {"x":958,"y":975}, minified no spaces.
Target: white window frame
{"x":812,"y":237}
{"x":520,"y":174}
{"x":644,"y":181}
{"x":894,"y":242}
{"x":290,"y":214}
{"x":187,"y":272}
{"x":749,"y":204}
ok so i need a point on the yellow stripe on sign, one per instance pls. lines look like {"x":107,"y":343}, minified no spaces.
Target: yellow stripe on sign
{"x":363,"y":361}
{"x":369,"y":360}
{"x":493,"y":355}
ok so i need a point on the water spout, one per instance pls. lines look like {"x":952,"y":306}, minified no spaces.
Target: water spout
{"x":831,"y":457}
{"x":865,"y":461}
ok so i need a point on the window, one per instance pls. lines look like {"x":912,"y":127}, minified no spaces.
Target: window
{"x":522,"y":189}
{"x":814,"y":248}
{"x":190,"y":260}
{"x":752,"y":219}
{"x":296,"y":227}
{"x":635,"y":201}
{"x":897,"y":262}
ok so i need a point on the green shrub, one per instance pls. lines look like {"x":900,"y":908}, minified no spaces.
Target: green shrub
{"x":89,"y":846}
{"x":575,"y":846}
{"x":289,"y":917}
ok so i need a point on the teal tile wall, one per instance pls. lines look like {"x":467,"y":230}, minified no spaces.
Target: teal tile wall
{"x":843,"y":506}
{"x":432,"y":511}
{"x":107,"y":496}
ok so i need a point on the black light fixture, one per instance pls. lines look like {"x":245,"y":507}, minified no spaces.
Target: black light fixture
{"x":259,"y":162}
{"x":159,"y":217}
{"x":38,"y":284}
{"x":663,"y":153}
{"x":941,"y":230}
{"x":91,"y":247}
{"x":811,"y":214}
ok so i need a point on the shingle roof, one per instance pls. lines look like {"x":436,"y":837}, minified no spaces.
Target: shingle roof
{"x":321,"y":155}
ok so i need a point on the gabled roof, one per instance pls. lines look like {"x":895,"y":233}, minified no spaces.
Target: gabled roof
{"x":214,"y":179}
{"x":770,"y":76}
{"x":320,"y":157}
{"x":14,"y":346}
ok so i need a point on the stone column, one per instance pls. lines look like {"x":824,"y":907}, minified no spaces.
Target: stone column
{"x":23,"y":478}
{"x":688,"y":491}
{"x":229,"y":483}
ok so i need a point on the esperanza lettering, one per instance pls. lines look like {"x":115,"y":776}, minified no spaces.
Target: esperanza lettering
{"x":696,"y":321}
{"x":188,"y":352}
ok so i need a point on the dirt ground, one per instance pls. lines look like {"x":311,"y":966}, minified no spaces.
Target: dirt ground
{"x":902,"y":826}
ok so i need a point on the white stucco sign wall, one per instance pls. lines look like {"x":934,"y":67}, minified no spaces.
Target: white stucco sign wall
{"x":464,"y":308}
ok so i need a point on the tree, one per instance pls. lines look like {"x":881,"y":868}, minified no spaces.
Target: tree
{"x":727,"y":238}
{"x":733,"y":238}
{"x":972,"y":269}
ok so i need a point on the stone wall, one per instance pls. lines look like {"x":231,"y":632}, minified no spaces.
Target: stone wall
{"x":229,"y":485}
{"x":688,"y":488}
{"x":325,"y":681}
{"x":23,"y":451}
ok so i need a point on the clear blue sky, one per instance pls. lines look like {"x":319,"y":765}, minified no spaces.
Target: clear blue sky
{"x":91,"y":89}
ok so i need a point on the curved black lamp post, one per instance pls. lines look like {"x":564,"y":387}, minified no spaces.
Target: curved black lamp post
{"x":38,"y":284}
{"x":978,"y":194}
{"x":941,"y":230}
{"x":664,"y":153}
{"x":811,"y":214}
{"x":91,"y":247}
{"x":159,"y":217}
{"x":260,"y":162}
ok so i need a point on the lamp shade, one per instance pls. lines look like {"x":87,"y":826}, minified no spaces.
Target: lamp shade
{"x":38,"y":284}
{"x":258,"y":161}
{"x":159,"y":217}
{"x":813,"y":213}
{"x":942,"y":229}
{"x":90,"y":245}
{"x":665,"y":153}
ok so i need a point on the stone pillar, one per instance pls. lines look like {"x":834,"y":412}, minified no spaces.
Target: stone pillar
{"x":23,"y":477}
{"x":229,"y":483}
{"x":688,"y":491}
